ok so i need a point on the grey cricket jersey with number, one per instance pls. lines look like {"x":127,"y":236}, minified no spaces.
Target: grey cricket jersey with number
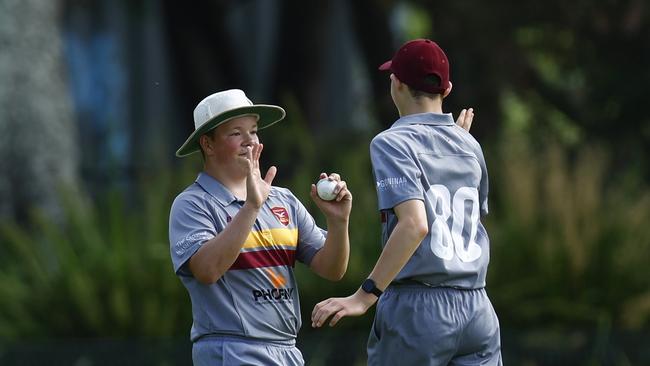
{"x":258,"y":296}
{"x":428,"y":157}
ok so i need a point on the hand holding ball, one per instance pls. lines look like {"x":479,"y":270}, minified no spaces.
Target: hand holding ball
{"x":325,"y":188}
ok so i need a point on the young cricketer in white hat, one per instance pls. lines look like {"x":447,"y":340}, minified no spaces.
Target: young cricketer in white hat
{"x":235,"y":239}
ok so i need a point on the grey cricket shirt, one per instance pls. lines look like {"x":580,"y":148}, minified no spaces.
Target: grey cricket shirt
{"x":428,"y":157}
{"x":258,"y":296}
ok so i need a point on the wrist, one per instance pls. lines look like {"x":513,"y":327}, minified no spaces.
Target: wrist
{"x":250,"y":206}
{"x":369,"y":286}
{"x":341,"y":222}
{"x":367,"y":299}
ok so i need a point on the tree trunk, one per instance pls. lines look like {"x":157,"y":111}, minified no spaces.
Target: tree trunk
{"x":37,"y":133}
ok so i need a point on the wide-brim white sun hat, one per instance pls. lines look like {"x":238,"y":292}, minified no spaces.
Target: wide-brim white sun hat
{"x":220,"y":108}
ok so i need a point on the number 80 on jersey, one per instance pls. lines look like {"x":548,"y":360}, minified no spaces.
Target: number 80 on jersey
{"x":447,"y":242}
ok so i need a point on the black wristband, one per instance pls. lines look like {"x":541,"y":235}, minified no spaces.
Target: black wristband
{"x":370,"y":287}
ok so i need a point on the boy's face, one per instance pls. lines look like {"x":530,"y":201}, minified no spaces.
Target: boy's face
{"x":231,"y":139}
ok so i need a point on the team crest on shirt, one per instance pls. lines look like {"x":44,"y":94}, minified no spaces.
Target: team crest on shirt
{"x":281,"y":214}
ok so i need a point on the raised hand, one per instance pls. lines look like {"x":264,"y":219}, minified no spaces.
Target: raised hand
{"x":339,"y":208}
{"x":465,"y":118}
{"x":257,"y":189}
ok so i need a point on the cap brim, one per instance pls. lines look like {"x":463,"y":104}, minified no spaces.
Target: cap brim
{"x":386,"y":65}
{"x":269,"y":115}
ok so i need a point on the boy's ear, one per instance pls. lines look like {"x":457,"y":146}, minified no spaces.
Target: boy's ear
{"x":205,"y":143}
{"x":396,"y":81}
{"x":447,"y":91}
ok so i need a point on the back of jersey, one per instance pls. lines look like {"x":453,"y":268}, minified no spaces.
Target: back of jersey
{"x":427,"y":157}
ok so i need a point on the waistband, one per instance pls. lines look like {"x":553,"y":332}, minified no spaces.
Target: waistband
{"x":410,"y":283}
{"x":235,"y":338}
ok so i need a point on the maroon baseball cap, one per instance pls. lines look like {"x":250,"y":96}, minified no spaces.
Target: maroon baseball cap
{"x":416,"y":61}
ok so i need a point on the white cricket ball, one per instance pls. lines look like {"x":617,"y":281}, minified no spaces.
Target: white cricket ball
{"x":325,"y":188}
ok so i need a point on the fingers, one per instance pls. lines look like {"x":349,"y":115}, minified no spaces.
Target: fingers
{"x":341,"y":191}
{"x":258,"y":151}
{"x":332,"y":176}
{"x":461,"y":118}
{"x":249,"y":153}
{"x":318,"y":307}
{"x":465,"y":119}
{"x":468,"y":119}
{"x":320,"y":313}
{"x":270,"y":175}
{"x":338,"y":316}
{"x":324,"y":310}
{"x":314,"y":192}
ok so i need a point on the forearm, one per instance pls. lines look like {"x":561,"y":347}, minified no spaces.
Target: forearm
{"x":403,"y":241}
{"x":331,"y":261}
{"x":401,"y":245}
{"x":407,"y":235}
{"x":216,"y":255}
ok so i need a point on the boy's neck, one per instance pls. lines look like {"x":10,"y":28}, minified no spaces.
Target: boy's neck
{"x":420,"y":105}
{"x":236,"y":183}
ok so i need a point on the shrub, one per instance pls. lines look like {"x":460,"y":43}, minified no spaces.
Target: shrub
{"x":102,"y":270}
{"x":569,"y":239}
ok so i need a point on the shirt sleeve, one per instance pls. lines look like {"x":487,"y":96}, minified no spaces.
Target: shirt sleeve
{"x":189,"y":227}
{"x":396,"y":173}
{"x":311,"y":238}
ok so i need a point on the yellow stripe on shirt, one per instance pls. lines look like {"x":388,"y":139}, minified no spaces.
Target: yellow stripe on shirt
{"x":272,"y":237}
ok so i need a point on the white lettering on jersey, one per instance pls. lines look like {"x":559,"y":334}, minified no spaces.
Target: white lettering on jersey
{"x":446,"y":242}
{"x":390,"y":182}
{"x":189,"y":241}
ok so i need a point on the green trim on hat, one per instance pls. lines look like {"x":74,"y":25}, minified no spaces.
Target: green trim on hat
{"x":269,"y":115}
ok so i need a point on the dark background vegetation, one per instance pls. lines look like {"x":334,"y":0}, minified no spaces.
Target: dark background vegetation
{"x":96,"y":96}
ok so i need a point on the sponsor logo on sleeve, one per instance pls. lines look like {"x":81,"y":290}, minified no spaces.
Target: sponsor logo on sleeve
{"x":190,"y":240}
{"x":390,"y":183}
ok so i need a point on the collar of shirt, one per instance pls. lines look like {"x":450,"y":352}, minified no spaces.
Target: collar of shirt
{"x":218,"y":190}
{"x":436,"y":119}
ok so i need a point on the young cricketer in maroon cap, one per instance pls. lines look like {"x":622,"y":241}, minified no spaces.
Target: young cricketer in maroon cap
{"x":432,"y":187}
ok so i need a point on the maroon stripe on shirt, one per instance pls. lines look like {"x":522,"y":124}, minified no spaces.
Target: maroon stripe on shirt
{"x":265,"y":258}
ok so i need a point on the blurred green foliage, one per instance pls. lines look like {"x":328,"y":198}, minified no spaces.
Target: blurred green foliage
{"x":569,"y":240}
{"x":102,"y":270}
